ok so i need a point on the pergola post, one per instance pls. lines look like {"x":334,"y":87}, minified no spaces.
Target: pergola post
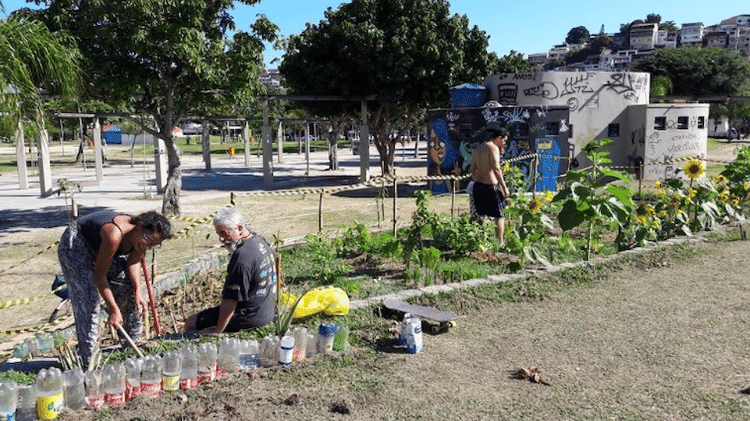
{"x":98,"y":150}
{"x":23,"y":177}
{"x":364,"y":145}
{"x":267,"y":148}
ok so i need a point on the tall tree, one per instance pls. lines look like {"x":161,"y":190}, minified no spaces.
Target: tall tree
{"x":408,"y":52}
{"x":165,"y":59}
{"x":697,"y":72}
{"x":32,"y":59}
{"x":653,"y":18}
{"x":578,"y":35}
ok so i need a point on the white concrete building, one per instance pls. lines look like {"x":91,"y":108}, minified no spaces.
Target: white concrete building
{"x":643,"y":36}
{"x":613,"y":105}
{"x":691,"y":33}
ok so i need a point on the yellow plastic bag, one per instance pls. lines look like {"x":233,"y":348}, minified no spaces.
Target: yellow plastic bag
{"x":330,"y":300}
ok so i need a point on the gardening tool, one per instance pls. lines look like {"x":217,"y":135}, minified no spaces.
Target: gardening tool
{"x":152,"y":303}
{"x":130,"y":340}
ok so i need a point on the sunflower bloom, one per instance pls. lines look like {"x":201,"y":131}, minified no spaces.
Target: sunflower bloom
{"x":692,"y":193}
{"x":724,"y":196}
{"x":663,"y":213}
{"x":694,"y":168}
{"x":735,"y":202}
{"x":641,"y":212}
{"x":746,"y":185}
{"x":655,"y":224}
{"x":535,"y":205}
{"x":506,"y":167}
{"x":720,"y":179}
{"x":661,"y":193}
{"x":658,"y":184}
{"x":678,"y":211}
{"x":549,"y":196}
{"x":649,"y":209}
{"x":641,"y":219}
{"x":675,"y":200}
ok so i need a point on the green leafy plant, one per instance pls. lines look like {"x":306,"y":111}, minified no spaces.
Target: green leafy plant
{"x":423,"y":222}
{"x":590,"y":199}
{"x":529,"y":225}
{"x":284,"y":315}
{"x":462,"y":235}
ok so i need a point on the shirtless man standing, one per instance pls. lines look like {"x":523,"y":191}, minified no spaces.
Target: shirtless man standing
{"x":490,"y":192}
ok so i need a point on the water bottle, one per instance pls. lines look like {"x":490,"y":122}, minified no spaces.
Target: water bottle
{"x":114,"y":384}
{"x":401,"y":340}
{"x":8,"y":399}
{"x":132,"y":378}
{"x":49,"y":398}
{"x":300,"y":343}
{"x":206,"y":362}
{"x":286,"y":349}
{"x":171,"y":368}
{"x":33,"y":346}
{"x":341,"y":339}
{"x":26,"y":409}
{"x":269,"y":351}
{"x":45,"y":343}
{"x":151,"y":376}
{"x":94,"y":389}
{"x":189,"y":374}
{"x":74,"y":391}
{"x":414,"y":336}
{"x":312,"y":345}
{"x":249,"y":356}
{"x":229,"y":349}
{"x":326,"y":333}
{"x":21,"y":351}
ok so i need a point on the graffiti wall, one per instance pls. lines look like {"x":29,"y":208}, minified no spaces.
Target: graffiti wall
{"x":595,"y":100}
{"x":455,"y":133}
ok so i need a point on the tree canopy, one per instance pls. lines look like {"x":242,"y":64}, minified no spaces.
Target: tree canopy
{"x":578,"y":35}
{"x":165,"y":59}
{"x":407,"y":51}
{"x":695,"y":71}
{"x":33,"y":58}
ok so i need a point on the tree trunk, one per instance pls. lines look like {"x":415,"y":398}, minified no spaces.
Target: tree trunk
{"x":333,"y":158}
{"x":171,"y":203}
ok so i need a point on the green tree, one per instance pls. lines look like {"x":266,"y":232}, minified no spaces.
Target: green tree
{"x":697,"y":72}
{"x":33,"y":61}
{"x":653,"y":18}
{"x":512,"y":62}
{"x":578,"y":35}
{"x":407,"y":52}
{"x":600,"y":43}
{"x":165,"y":59}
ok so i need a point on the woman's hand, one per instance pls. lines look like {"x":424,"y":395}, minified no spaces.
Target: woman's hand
{"x":140,"y":303}
{"x":115,"y":317}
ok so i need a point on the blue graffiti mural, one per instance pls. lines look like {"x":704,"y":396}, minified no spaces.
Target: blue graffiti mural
{"x":549,"y":164}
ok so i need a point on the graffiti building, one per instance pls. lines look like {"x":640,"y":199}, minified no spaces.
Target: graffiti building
{"x":610,"y":105}
{"x":455,"y":133}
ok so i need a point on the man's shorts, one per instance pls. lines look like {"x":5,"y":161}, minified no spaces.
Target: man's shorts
{"x":488,"y":200}
{"x":210,"y":317}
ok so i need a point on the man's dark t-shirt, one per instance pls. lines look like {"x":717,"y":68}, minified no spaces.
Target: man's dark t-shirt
{"x":251,"y":281}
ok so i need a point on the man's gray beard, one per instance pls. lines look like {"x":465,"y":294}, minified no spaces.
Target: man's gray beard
{"x":231,"y":247}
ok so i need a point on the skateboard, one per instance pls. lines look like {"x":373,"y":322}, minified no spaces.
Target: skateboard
{"x":445,"y":320}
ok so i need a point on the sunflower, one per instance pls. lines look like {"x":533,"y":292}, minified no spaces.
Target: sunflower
{"x":506,"y":167}
{"x":658,"y":184}
{"x":675,"y":200}
{"x":692,"y":193}
{"x":735,"y":202}
{"x":678,"y":211}
{"x":641,"y":211}
{"x":663,"y":213}
{"x":720,"y":179}
{"x":746,"y":185}
{"x":724,"y":196}
{"x":549,"y":196}
{"x":694,"y":168}
{"x":641,"y":219}
{"x":655,"y":224}
{"x":661,"y":193}
{"x":535,"y":205}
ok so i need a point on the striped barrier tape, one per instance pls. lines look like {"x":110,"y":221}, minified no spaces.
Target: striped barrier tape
{"x":41,"y":328}
{"x":22,"y":301}
{"x":30,"y":258}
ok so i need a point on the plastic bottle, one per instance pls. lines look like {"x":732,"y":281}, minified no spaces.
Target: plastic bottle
{"x":94,"y":389}
{"x":74,"y":391}
{"x":26,"y":409}
{"x":341,"y":339}
{"x":414,"y":336}
{"x":49,"y":398}
{"x":228,"y":355}
{"x":132,"y":378}
{"x":45,"y":343}
{"x":33,"y":346}
{"x":151,"y":376}
{"x":189,"y":374}
{"x":114,"y":384}
{"x":286,"y":349}
{"x":300,"y":343}
{"x":171,"y":368}
{"x":8,"y":399}
{"x":269,"y":351}
{"x":401,"y":340}
{"x":206,"y":362}
{"x":249,"y":356}
{"x":326,"y":333}
{"x":21,"y":351}
{"x":312,"y":345}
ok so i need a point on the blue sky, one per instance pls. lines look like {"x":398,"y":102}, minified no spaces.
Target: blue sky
{"x":524,"y":26}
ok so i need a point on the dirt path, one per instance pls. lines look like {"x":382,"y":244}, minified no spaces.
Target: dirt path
{"x":660,"y":340}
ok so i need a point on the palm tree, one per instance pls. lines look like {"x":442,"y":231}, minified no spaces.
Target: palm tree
{"x":33,"y":61}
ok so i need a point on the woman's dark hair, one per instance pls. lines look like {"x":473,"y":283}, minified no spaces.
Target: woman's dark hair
{"x":154,"y":222}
